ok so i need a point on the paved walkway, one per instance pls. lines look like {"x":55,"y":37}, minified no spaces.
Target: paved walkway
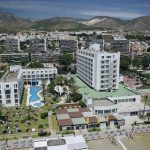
{"x":52,"y":131}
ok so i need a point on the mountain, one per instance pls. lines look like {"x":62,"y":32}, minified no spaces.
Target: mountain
{"x":140,"y":23}
{"x":104,"y":22}
{"x":9,"y":22}
{"x":59,"y":23}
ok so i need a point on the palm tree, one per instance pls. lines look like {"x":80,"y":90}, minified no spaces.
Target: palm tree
{"x":1,"y":109}
{"x":43,"y":90}
{"x":145,"y":100}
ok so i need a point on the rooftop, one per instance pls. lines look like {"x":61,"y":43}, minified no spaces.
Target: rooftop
{"x":88,"y":92}
{"x":102,"y":103}
{"x":9,"y":76}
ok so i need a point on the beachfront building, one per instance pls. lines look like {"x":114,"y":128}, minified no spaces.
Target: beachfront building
{"x":11,"y":87}
{"x":34,"y":76}
{"x":123,"y":101}
{"x":76,"y":142}
{"x":98,"y":69}
{"x":11,"y":84}
{"x":81,"y":118}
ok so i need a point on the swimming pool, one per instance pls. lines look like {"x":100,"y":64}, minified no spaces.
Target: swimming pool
{"x":35,"y":98}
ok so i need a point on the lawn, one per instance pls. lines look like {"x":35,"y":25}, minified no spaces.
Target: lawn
{"x":24,"y":118}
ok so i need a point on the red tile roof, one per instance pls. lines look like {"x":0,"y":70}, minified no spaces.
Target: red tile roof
{"x":92,"y":119}
{"x":61,"y":111}
{"x":84,"y":109}
{"x":65,"y":122}
{"x":75,"y":114}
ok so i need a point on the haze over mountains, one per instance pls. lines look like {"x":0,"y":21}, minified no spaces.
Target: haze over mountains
{"x":9,"y":22}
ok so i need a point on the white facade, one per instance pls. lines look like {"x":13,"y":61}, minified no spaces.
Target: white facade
{"x":11,"y":87}
{"x":100,"y":70}
{"x":123,"y":105}
{"x":37,"y":74}
{"x":76,"y":142}
{"x":11,"y":84}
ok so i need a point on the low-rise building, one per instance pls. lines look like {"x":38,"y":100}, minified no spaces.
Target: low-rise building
{"x":120,"y":43}
{"x":68,"y":45}
{"x":35,"y":75}
{"x":82,"y":118}
{"x":76,"y":142}
{"x":14,"y":57}
{"x":123,"y":101}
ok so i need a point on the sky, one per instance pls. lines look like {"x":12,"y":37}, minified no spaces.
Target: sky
{"x":41,"y":9}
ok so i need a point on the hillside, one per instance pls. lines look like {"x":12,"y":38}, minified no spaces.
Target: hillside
{"x":140,"y":23}
{"x":9,"y":22}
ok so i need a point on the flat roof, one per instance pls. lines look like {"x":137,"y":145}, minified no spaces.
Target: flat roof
{"x":89,"y":92}
{"x":102,"y":103}
{"x":77,"y":121}
{"x":63,"y":116}
{"x":9,"y":76}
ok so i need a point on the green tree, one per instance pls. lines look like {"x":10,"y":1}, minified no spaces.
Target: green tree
{"x":66,"y":59}
{"x":145,"y":100}
{"x":145,"y":62}
{"x":125,"y":63}
{"x":43,"y":116}
{"x":36,"y":65}
{"x":136,"y":62}
{"x":82,"y":103}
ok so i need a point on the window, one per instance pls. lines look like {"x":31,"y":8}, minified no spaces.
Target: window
{"x":8,"y":101}
{"x":16,"y":100}
{"x":16,"y":95}
{"x":0,"y":96}
{"x":7,"y":96}
{"x":100,"y":111}
{"x":7,"y":91}
{"x":107,"y":111}
{"x":102,"y":56}
{"x":108,"y":56}
{"x":7,"y":86}
{"x":113,"y":110}
{"x":15,"y":90}
{"x":0,"y":101}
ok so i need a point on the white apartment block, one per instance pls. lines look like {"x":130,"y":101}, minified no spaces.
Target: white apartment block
{"x":98,"y":69}
{"x":11,"y":84}
{"x":11,"y":87}
{"x":37,"y":74}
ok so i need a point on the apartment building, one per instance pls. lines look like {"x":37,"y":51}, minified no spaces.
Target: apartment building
{"x":120,"y":43}
{"x":98,"y":69}
{"x":68,"y":45}
{"x":11,"y":87}
{"x":35,"y":75}
{"x":11,"y":84}
{"x":14,"y":57}
{"x":13,"y":44}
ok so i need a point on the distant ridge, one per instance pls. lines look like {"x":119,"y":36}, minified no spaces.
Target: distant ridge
{"x":10,"y":22}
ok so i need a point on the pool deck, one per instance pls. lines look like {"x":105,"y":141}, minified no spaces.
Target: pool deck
{"x":87,"y":91}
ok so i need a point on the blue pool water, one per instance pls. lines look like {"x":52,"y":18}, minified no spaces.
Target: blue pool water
{"x":34,"y":93}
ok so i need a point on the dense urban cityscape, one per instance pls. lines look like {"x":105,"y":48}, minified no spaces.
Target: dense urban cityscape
{"x":74,"y":84}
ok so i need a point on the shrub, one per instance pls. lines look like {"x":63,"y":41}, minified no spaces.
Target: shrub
{"x":40,"y":126}
{"x":44,"y":115}
{"x":43,"y":133}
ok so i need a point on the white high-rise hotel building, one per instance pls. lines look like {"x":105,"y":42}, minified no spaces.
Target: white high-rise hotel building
{"x":99,"y":69}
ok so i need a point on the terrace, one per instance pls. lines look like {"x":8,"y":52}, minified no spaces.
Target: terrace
{"x":89,"y":92}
